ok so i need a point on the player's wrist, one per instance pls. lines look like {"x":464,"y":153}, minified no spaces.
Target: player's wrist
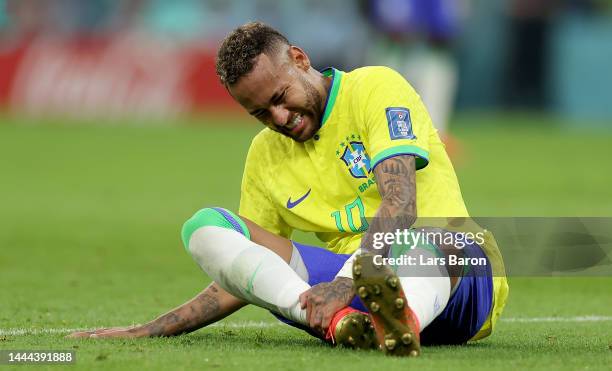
{"x":343,"y":287}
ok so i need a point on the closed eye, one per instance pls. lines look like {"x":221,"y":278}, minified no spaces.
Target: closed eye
{"x":275,"y":100}
{"x":258,"y":114}
{"x":279,"y":98}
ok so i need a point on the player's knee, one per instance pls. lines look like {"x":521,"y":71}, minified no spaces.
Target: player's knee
{"x":213,"y":216}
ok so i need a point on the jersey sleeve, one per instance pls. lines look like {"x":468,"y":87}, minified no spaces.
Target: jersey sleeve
{"x":394,"y":118}
{"x":255,"y":203}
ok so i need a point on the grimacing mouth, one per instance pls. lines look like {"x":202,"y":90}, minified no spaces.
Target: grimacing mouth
{"x":294,"y":122}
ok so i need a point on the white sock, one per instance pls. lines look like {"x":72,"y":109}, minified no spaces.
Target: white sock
{"x":427,"y":288}
{"x":249,"y":271}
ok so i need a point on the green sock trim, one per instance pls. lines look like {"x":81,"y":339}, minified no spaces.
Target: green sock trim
{"x":249,"y":287}
{"x":217,"y":217}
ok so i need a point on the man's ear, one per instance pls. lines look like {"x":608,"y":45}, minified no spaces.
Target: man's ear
{"x":299,"y":57}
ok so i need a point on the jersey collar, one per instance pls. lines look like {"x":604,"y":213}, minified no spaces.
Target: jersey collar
{"x":336,"y":76}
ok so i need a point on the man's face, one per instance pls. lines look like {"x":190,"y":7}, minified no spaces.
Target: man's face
{"x":279,"y":93}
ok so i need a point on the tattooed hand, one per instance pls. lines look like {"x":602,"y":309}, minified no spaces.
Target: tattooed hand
{"x":322,"y":301}
{"x":114,"y":332}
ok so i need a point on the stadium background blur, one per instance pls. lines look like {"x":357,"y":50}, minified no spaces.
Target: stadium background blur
{"x":114,"y":130}
{"x":547,"y":55}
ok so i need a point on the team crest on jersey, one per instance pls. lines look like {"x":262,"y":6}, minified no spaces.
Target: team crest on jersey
{"x":400,"y":125}
{"x":355,"y":157}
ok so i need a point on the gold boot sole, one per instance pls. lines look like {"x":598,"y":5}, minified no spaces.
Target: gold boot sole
{"x":379,"y":289}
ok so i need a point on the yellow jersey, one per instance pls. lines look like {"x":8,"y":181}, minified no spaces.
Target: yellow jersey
{"x":326,"y":185}
{"x":371,"y":114}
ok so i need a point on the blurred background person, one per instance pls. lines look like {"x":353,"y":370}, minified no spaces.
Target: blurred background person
{"x":417,"y":38}
{"x":530,"y":26}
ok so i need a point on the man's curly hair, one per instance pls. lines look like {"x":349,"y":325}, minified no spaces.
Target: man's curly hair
{"x":239,"y":49}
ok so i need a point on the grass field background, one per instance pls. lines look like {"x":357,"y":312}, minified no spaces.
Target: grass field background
{"x":89,"y":237}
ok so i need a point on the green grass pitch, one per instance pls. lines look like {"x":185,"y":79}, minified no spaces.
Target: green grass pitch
{"x":89,"y":237}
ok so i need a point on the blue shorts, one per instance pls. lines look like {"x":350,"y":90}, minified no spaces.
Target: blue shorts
{"x":463,"y":316}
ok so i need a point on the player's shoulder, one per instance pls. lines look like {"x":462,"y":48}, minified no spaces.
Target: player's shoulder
{"x":372,"y":75}
{"x":268,"y":137}
{"x":266,"y":142}
{"x":365,"y":82}
{"x":262,"y":137}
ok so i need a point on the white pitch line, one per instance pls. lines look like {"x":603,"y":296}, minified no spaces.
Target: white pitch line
{"x":36,"y":331}
{"x":60,"y":330}
{"x":263,"y":324}
{"x":558,"y":319}
{"x":247,"y":324}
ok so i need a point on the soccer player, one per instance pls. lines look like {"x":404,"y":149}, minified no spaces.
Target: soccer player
{"x":349,"y":156}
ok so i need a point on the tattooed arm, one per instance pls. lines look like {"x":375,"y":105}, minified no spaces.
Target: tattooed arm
{"x":209,"y":306}
{"x":396,"y":180}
